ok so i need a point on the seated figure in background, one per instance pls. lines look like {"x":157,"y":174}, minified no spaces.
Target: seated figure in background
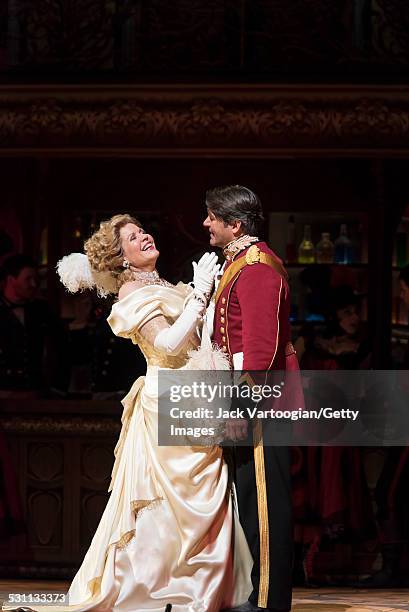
{"x":392,"y":491}
{"x":32,"y":337}
{"x":331,"y":495}
{"x":101,"y":364}
{"x":344,"y":344}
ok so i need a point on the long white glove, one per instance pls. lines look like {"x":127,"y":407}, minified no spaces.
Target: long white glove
{"x":171,"y":339}
{"x":204,"y":272}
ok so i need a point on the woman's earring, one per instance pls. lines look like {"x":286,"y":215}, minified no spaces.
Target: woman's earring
{"x":126,"y":264}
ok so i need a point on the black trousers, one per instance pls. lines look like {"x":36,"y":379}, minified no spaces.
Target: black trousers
{"x":278,"y":506}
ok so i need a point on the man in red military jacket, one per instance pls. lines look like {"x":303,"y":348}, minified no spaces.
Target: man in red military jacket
{"x":251,"y":325}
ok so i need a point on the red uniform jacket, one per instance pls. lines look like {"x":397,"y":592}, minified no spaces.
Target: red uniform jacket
{"x":252,"y":316}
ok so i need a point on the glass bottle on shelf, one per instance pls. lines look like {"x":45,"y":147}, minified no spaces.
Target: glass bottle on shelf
{"x":290,"y":249}
{"x":325,"y":249}
{"x":306,"y":250}
{"x":343,"y":247}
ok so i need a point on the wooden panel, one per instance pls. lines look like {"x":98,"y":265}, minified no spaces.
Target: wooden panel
{"x":63,"y":463}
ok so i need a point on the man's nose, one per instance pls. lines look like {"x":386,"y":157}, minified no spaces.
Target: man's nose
{"x":206,"y":222}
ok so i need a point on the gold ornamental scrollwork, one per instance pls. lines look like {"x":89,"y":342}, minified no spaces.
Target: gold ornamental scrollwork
{"x":233,"y":120}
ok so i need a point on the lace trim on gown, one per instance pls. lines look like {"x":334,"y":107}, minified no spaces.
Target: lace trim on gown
{"x":138,"y":507}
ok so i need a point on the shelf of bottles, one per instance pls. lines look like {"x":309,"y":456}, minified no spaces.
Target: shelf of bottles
{"x":321,"y":251}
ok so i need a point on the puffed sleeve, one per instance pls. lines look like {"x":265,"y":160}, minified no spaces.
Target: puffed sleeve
{"x":145,"y":304}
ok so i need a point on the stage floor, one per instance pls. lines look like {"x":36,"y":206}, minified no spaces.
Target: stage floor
{"x":304,"y":600}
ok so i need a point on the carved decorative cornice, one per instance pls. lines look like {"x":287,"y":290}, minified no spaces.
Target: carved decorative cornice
{"x":80,"y":426}
{"x":197,"y":120}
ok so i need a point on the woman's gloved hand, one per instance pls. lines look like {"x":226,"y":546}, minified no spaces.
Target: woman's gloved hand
{"x":204,"y":273}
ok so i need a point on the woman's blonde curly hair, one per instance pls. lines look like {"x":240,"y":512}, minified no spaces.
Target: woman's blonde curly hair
{"x":104,"y":249}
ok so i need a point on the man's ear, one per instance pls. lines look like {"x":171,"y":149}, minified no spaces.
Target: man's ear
{"x":236,"y":227}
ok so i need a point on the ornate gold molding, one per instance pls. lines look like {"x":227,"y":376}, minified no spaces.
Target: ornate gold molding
{"x":204,"y":120}
{"x":59,"y":425}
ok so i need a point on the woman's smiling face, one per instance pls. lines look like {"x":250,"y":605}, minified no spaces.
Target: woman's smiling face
{"x":138,"y":247}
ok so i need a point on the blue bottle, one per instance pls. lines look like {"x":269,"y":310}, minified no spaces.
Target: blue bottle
{"x":343,"y":247}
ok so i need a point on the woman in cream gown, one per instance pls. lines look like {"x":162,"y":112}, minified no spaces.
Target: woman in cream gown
{"x":169,"y":533}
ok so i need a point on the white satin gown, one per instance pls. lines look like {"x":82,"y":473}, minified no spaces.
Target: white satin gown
{"x":170,"y":533}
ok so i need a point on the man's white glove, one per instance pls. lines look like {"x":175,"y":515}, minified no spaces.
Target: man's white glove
{"x":204,"y":272}
{"x":209,"y":316}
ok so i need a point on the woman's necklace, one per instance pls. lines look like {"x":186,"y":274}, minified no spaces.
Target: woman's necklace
{"x":150,"y":278}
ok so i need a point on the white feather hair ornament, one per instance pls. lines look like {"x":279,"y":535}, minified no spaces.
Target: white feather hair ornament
{"x":76,"y":275}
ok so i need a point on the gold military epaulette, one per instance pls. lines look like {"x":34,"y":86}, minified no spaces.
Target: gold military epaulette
{"x":253,"y":256}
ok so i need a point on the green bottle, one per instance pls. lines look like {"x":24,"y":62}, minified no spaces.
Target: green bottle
{"x":306,"y":250}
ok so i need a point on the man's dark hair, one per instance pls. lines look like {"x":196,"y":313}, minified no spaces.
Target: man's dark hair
{"x":404,"y":275}
{"x":236,"y":203}
{"x":13,"y":265}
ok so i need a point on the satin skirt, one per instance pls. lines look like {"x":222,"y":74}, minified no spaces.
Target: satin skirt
{"x":170,"y":532}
